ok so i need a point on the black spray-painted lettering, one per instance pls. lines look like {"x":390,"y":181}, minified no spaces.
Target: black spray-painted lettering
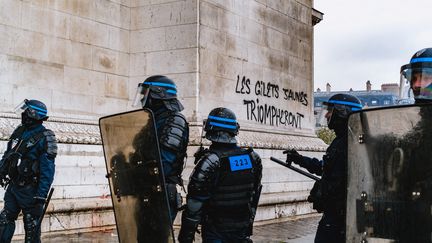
{"x":267,"y":89}
{"x":269,"y":114}
{"x":289,"y":94}
{"x":270,"y":90}
{"x":244,"y":85}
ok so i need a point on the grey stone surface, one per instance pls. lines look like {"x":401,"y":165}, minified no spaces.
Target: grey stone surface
{"x":292,"y":231}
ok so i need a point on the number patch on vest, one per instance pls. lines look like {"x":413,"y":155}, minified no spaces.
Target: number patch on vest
{"x":240,"y":162}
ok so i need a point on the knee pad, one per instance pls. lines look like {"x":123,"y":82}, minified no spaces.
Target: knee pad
{"x":6,"y":218}
{"x":31,"y":228}
{"x":30,"y":221}
{"x":7,"y":225}
{"x":3,"y":218}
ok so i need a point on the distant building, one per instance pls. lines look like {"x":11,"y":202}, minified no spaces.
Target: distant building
{"x":387,"y":96}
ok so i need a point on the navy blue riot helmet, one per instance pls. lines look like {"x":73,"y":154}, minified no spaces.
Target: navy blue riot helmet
{"x":221,"y":126}
{"x":416,"y":77}
{"x":339,"y":107}
{"x":158,"y":89}
{"x":32,"y":112}
{"x":34,"y":109}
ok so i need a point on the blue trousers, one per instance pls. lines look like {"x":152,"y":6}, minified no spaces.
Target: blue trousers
{"x":17,"y":199}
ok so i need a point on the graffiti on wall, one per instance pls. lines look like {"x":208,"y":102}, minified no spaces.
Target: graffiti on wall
{"x":269,"y":114}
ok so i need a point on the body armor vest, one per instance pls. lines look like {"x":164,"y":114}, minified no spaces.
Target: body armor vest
{"x":25,"y":170}
{"x":230,"y":205}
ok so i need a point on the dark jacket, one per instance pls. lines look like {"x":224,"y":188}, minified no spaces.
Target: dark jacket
{"x":219,"y":197}
{"x":38,"y":160}
{"x":333,"y":169}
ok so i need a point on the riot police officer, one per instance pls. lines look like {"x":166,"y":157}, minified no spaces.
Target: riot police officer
{"x":159,"y":94}
{"x":224,"y":187}
{"x":416,"y":76}
{"x":329,"y":194}
{"x":27,"y":168}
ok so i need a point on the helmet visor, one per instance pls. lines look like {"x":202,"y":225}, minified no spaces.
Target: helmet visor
{"x":141,"y":95}
{"x":21,"y":107}
{"x":33,"y":110}
{"x":416,"y":83}
{"x":325,"y":114}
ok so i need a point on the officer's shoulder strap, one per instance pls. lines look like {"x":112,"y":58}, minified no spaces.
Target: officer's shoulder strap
{"x":32,"y":140}
{"x":17,"y":132}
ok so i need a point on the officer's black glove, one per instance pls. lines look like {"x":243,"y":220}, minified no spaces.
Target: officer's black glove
{"x":293,"y":156}
{"x":38,"y":206}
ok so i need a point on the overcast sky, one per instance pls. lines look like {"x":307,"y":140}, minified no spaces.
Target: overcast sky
{"x":368,"y":40}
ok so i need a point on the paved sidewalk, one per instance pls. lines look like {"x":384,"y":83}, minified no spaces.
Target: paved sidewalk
{"x":291,"y":231}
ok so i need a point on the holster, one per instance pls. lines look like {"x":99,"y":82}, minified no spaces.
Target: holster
{"x":316,"y":197}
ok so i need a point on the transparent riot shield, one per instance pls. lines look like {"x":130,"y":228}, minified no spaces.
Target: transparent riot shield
{"x":136,"y":178}
{"x":389,"y":197}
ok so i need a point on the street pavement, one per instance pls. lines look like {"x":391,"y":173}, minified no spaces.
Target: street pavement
{"x":300,"y":230}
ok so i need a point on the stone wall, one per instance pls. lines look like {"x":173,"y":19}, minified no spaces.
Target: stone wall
{"x":84,"y":59}
{"x":73,"y":55}
{"x":164,"y":41}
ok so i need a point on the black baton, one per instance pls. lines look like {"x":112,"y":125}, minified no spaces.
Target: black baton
{"x":295,"y":169}
{"x":46,"y":205}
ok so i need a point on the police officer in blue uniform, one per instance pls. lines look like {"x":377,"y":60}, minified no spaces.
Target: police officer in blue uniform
{"x":27,"y":168}
{"x":224,"y":187}
{"x":159,"y":94}
{"x":416,"y":76}
{"x":329,"y":194}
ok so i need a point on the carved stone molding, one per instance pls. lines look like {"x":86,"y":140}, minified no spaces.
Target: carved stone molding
{"x":281,"y":141}
{"x":87,"y":132}
{"x":66,"y":130}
